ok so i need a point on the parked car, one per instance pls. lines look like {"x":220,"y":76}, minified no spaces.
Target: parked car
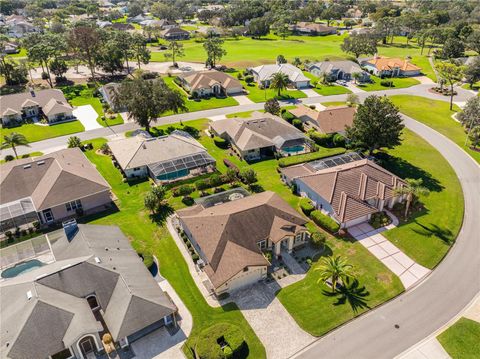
{"x":342,"y":82}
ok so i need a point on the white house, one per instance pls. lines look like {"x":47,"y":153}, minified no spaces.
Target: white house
{"x":263,"y":75}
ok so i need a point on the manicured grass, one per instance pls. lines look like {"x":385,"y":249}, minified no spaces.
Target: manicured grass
{"x":27,"y":155}
{"x":476,"y":86}
{"x":86,"y":97}
{"x":427,"y":235}
{"x":317,"y":311}
{"x":261,"y":95}
{"x":437,"y":115}
{"x":334,"y":103}
{"x":321,"y":153}
{"x":246,"y":114}
{"x":22,"y":53}
{"x":462,"y":340}
{"x":35,"y":133}
{"x":329,"y":90}
{"x":397,"y":83}
{"x":200,"y":104}
{"x":150,"y":235}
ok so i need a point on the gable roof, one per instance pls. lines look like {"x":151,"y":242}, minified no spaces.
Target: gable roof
{"x":139,"y":151}
{"x":348,"y":187}
{"x":332,"y":66}
{"x":315,"y":27}
{"x":50,"y":101}
{"x":332,"y":119}
{"x":388,"y":63}
{"x":208,"y":78}
{"x":50,"y":180}
{"x":228,"y":234}
{"x":265,"y":72}
{"x":259,"y":130}
{"x":174,"y":31}
{"x":97,"y":259}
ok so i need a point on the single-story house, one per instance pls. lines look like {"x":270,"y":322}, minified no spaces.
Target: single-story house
{"x":312,"y":28}
{"x":139,"y":18}
{"x":164,"y":159}
{"x":261,"y":135}
{"x":50,"y":188}
{"x":11,"y":48}
{"x":231,"y":238}
{"x":263,"y":74}
{"x":108,"y":93}
{"x":346,"y":187}
{"x":209,"y":82}
{"x":391,"y":67}
{"x":159,"y":24}
{"x":337,"y":70}
{"x":93,"y":283}
{"x":333,"y":119}
{"x":18,"y":26}
{"x":175,"y":33}
{"x":34,"y":105}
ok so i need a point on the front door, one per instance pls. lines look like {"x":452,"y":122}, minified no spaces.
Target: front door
{"x":48,"y":215}
{"x":87,"y":346}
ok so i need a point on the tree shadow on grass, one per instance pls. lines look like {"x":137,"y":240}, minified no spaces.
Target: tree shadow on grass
{"x":405,"y":169}
{"x":256,"y":188}
{"x":162,"y":214}
{"x":443,"y":234}
{"x":352,"y":294}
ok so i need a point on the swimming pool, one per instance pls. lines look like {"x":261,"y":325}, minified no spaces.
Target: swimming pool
{"x":21,"y":268}
{"x":294,"y":149}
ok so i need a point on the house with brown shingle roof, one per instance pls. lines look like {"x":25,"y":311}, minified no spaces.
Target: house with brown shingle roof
{"x":389,"y":66}
{"x":333,"y":119}
{"x":35,"y":105}
{"x":350,"y":192}
{"x":209,"y":83}
{"x":50,"y":188}
{"x":231,"y":237}
{"x":261,"y":136}
{"x":313,"y":29}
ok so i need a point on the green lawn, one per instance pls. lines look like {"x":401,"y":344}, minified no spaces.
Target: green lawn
{"x":22,"y":53}
{"x":199,"y":104}
{"x":397,"y":83}
{"x":151,"y":235}
{"x":27,"y":155}
{"x":427,"y":235}
{"x":326,"y":90}
{"x":86,"y":97}
{"x":462,"y":340}
{"x":35,"y":133}
{"x":334,"y":103}
{"x":437,"y":115}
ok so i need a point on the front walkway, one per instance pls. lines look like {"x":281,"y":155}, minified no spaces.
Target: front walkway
{"x":242,"y":100}
{"x":87,"y":116}
{"x":431,"y":349}
{"x":274,"y":326}
{"x":354,"y":88}
{"x":389,"y":254}
{"x":310,"y":93}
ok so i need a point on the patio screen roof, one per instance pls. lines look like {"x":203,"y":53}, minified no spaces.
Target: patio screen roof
{"x":182,"y":163}
{"x":17,"y":213}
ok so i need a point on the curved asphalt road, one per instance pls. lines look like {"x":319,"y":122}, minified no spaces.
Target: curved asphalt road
{"x":435,"y":301}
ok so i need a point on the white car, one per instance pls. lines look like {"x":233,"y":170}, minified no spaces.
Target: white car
{"x":342,"y":82}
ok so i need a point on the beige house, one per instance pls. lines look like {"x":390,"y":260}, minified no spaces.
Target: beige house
{"x":50,"y":188}
{"x":390,"y":67}
{"x":313,"y":29}
{"x":209,"y":83}
{"x":346,"y":187}
{"x":231,"y":238}
{"x":261,"y":135}
{"x":331,"y":120}
{"x":34,"y":105}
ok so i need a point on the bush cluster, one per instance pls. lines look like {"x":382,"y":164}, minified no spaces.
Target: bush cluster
{"x":386,"y":83}
{"x":318,"y":239}
{"x":324,"y":221}
{"x":306,"y":206}
{"x":220,"y":142}
{"x":208,"y":342}
{"x":287,"y":116}
{"x":322,"y":139}
{"x":183,"y":190}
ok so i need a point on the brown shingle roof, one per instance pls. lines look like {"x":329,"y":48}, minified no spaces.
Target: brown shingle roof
{"x":348,"y":187}
{"x":41,"y":98}
{"x":51,"y":180}
{"x":228,"y":233}
{"x":387,"y":63}
{"x":330,"y":120}
{"x":206,"y":79}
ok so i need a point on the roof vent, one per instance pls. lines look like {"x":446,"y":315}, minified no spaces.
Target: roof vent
{"x":71,"y":229}
{"x":40,"y":163}
{"x":29,"y":295}
{"x":97,"y":260}
{"x":27,"y":166}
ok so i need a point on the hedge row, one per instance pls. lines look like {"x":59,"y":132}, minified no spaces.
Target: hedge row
{"x":306,"y":206}
{"x":324,"y":221}
{"x":324,"y":152}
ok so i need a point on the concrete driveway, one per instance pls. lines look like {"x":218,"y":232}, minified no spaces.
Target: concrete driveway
{"x":310,"y":93}
{"x":277,"y":330}
{"x":87,"y":116}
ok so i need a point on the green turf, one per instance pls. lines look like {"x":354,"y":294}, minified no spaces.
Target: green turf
{"x":35,"y":133}
{"x":437,"y":115}
{"x":150,"y":235}
{"x":397,"y":83}
{"x":427,"y":235}
{"x":462,"y":340}
{"x":27,"y":155}
{"x":21,"y":54}
{"x":326,"y":90}
{"x":334,"y":103}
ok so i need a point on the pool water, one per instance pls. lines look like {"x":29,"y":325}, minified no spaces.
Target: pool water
{"x":294,"y":149}
{"x":21,"y":268}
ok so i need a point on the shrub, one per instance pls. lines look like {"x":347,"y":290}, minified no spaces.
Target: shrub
{"x":195,"y":257}
{"x":321,"y":139}
{"x":202,"y":184}
{"x":215,"y":180}
{"x":219,"y":190}
{"x":298,"y":124}
{"x":105,"y":149}
{"x":228,"y":352}
{"x":147,"y":259}
{"x":224,"y":296}
{"x":379,"y":219}
{"x":318,"y":239}
{"x":220,"y":142}
{"x":306,"y":206}
{"x":231,"y":165}
{"x":207,"y":344}
{"x":183,"y":190}
{"x":287,"y":116}
{"x":9,"y":158}
{"x":324,"y":221}
{"x":339,"y":140}
{"x":386,"y":83}
{"x":74,"y":141}
{"x":294,"y":160}
{"x":249,"y":79}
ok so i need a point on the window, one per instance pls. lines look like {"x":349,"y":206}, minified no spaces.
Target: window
{"x":72,"y":206}
{"x":262,"y":244}
{"x":136,"y":169}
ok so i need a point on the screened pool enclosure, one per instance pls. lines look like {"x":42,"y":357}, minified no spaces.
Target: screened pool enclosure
{"x":173,"y":169}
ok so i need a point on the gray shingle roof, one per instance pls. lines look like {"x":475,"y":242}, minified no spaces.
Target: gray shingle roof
{"x":42,"y":98}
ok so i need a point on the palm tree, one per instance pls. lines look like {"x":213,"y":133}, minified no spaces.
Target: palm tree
{"x":335,"y":269}
{"x":279,"y":82}
{"x":412,"y":190}
{"x":356,"y":76}
{"x":12,"y":140}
